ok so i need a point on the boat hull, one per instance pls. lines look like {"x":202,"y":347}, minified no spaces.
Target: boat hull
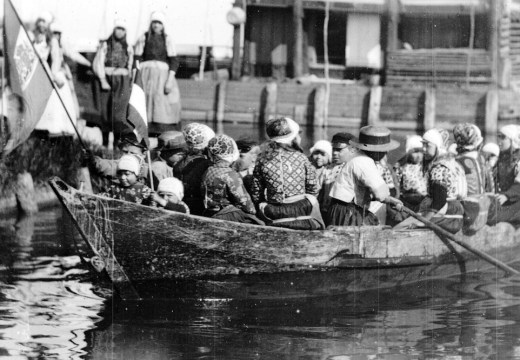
{"x":152,"y":253}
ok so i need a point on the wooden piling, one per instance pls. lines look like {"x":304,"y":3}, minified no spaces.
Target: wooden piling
{"x":221,"y":106}
{"x":374,"y":105}
{"x":429,"y":109}
{"x":491,"y":118}
{"x":318,"y":118}
{"x":298,"y":38}
{"x":270,"y":103}
{"x":25,"y":194}
{"x":393,"y":14}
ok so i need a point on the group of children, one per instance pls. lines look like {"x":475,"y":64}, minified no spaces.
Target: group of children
{"x":345,"y":182}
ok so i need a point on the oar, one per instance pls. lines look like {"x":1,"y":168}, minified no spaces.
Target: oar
{"x":499,"y":264}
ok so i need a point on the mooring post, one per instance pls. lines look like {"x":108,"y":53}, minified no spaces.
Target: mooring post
{"x":318,"y":118}
{"x":374,"y":105}
{"x":491,"y":118}
{"x":25,"y":194}
{"x":429,"y":109}
{"x":221,"y":106}
{"x":270,"y":101}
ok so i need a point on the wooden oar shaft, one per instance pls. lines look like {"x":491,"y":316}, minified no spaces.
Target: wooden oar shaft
{"x":499,"y":264}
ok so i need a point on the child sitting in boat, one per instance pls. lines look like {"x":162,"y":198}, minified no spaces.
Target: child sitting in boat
{"x":169,"y":195}
{"x":129,"y":188}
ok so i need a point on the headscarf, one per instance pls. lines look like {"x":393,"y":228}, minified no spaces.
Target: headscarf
{"x":512,"y":132}
{"x":325,"y":147}
{"x":282,"y":130}
{"x":171,"y":185}
{"x":222,"y":147}
{"x":435,"y":137}
{"x":413,"y":142}
{"x":467,"y":136}
{"x":491,"y":148}
{"x":129,"y":162}
{"x":197,"y":135}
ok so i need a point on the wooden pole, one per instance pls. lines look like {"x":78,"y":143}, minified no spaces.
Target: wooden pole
{"x":491,"y":117}
{"x":298,"y":38}
{"x":392,"y":41}
{"x":429,"y":109}
{"x":270,"y":101}
{"x":374,"y":105}
{"x":494,"y":20}
{"x":319,"y":106}
{"x":326,"y":53}
{"x":441,"y":232}
{"x":221,"y":106}
{"x":237,"y":61}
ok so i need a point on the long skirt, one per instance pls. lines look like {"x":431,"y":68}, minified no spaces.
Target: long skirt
{"x":349,"y":214}
{"x":161,"y":108}
{"x":55,"y":119}
{"x":114,"y":103}
{"x":232,"y":213}
{"x":452,"y":220}
{"x":298,"y":213}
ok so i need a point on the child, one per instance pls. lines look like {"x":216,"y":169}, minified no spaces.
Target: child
{"x":320,"y":158}
{"x":129,"y":188}
{"x":169,"y":195}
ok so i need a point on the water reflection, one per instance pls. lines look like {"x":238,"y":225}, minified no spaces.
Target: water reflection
{"x":50,"y":308}
{"x":44,"y":311}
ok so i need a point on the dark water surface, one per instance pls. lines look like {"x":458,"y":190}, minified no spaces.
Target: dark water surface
{"x":50,"y":307}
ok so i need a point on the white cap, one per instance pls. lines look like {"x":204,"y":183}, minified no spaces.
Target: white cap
{"x":120,"y":23}
{"x":45,"y":16}
{"x":491,"y":148}
{"x":323,"y":146}
{"x":171,"y":185}
{"x":56,"y":26}
{"x":434,"y":136}
{"x":129,"y":163}
{"x":512,"y":132}
{"x":413,"y":142}
{"x":158,"y":16}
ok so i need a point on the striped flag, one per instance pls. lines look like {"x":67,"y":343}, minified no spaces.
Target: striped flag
{"x":29,"y":83}
{"x":136,"y":113}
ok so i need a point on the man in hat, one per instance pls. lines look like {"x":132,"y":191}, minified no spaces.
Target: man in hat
{"x":172,"y":150}
{"x":284,"y":180}
{"x":340,"y":142}
{"x":360,"y":179}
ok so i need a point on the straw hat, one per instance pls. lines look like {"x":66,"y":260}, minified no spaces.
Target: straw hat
{"x":375,"y":139}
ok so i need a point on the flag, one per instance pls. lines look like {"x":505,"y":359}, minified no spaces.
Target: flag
{"x":136,"y":113}
{"x":29,"y":83}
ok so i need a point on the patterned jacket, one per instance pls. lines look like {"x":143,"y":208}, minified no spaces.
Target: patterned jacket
{"x":282,"y":172}
{"x":223,"y":186}
{"x":447,"y":172}
{"x":137,"y":193}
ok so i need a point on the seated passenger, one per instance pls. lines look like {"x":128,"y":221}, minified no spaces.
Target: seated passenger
{"x":320,"y":158}
{"x":491,"y":152}
{"x":225,"y":197}
{"x":249,"y":150}
{"x":129,"y":188}
{"x":507,"y":205}
{"x":172,"y":150}
{"x":169,"y":195}
{"x":340,"y":142}
{"x":469,"y":141}
{"x":446,"y":186}
{"x":284,"y":181}
{"x":360,"y":180}
{"x":410,"y":175}
{"x":194,"y":165}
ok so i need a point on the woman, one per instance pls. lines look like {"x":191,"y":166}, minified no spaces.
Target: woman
{"x":112,"y":65}
{"x":507,"y":205}
{"x":194,"y":165}
{"x":225,"y":196}
{"x":42,"y":36}
{"x":60,"y":118}
{"x":284,"y":181}
{"x":155,"y":52}
{"x":446,"y":186}
{"x":360,"y":179}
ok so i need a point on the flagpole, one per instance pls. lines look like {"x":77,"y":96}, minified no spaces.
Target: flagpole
{"x":49,"y":77}
{"x":150,"y":172}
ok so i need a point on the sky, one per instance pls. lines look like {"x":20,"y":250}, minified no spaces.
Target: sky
{"x":191,"y":22}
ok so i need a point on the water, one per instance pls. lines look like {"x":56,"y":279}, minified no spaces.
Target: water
{"x":50,"y":307}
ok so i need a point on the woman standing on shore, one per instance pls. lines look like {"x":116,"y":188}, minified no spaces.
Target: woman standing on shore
{"x":112,"y":65}
{"x":155,"y":51}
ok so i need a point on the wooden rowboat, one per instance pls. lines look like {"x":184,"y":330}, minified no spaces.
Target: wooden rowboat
{"x":153,"y":253}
